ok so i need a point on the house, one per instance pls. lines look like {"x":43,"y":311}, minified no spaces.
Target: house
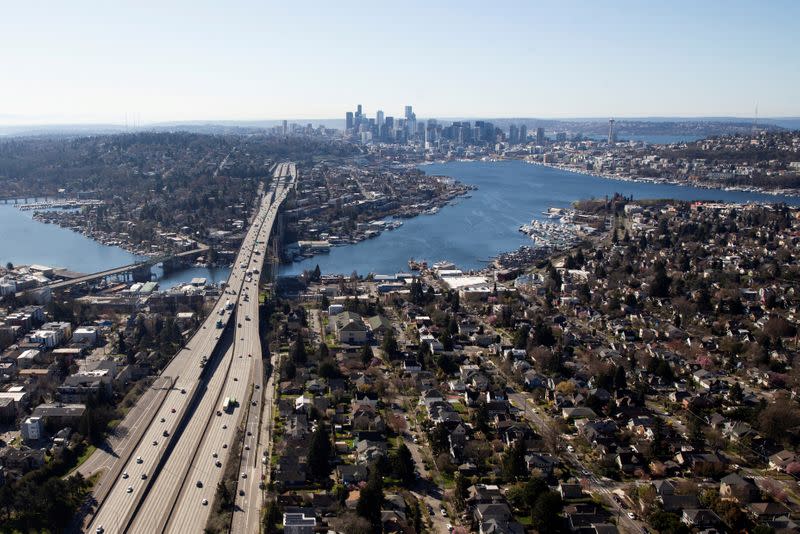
{"x":350,"y":328}
{"x":379,"y":325}
{"x":737,"y":488}
{"x":780,"y":460}
{"x":570,"y":490}
{"x":578,"y":412}
{"x":497,"y":511}
{"x":700,"y":518}
{"x":767,"y":511}
{"x":351,"y":474}
{"x":299,"y":522}
{"x":369,"y":451}
{"x":543,"y":462}
{"x":366,"y":418}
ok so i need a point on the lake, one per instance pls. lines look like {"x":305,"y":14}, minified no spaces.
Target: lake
{"x":24,"y":241}
{"x":471,"y":231}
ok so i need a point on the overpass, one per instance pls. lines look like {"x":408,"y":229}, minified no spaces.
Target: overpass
{"x":186,"y":438}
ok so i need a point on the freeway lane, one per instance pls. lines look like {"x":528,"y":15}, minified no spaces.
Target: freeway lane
{"x":116,"y":511}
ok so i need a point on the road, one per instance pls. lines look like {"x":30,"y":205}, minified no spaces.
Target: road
{"x":127,"y":433}
{"x":172,"y":449}
{"x":602,"y":487}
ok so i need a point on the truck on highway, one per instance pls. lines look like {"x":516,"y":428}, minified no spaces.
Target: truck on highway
{"x":228,"y":304}
{"x":219,"y":323}
{"x":226,"y":404}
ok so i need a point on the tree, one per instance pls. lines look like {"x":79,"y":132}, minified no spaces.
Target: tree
{"x":482,"y":418}
{"x":370,"y":500}
{"x":322,"y":351}
{"x":270,"y":517}
{"x":659,"y":287}
{"x":389,"y":344}
{"x":545,"y":513}
{"x":521,"y":336}
{"x":514,"y":461}
{"x":9,"y":266}
{"x":460,"y":491}
{"x":298,"y":352}
{"x":366,"y":354}
{"x":352,"y":524}
{"x":319,"y":453}
{"x":403,"y":465}
{"x":620,"y":381}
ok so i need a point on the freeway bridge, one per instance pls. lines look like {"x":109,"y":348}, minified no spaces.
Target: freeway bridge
{"x":164,"y":477}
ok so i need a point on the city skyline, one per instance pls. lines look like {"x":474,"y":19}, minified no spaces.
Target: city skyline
{"x":90,"y":63}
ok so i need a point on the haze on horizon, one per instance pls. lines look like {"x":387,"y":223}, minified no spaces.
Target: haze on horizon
{"x":95,"y":62}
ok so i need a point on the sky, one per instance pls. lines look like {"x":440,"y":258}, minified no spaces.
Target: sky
{"x":175,"y":60}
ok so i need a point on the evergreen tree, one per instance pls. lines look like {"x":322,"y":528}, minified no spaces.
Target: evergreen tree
{"x":366,"y":354}
{"x":403,"y":465}
{"x":319,"y":453}
{"x":370,"y":501}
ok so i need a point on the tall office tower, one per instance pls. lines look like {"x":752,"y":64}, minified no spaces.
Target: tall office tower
{"x":513,"y":134}
{"x":285,"y":127}
{"x":612,"y":136}
{"x":359,"y":116}
{"x":409,"y":112}
{"x":540,"y":136}
{"x":348,"y":120}
{"x":523,"y":134}
{"x":379,"y":123}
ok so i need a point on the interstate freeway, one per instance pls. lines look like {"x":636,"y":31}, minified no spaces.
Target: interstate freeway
{"x":165,"y":479}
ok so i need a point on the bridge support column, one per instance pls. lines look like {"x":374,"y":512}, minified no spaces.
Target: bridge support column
{"x":142,"y":274}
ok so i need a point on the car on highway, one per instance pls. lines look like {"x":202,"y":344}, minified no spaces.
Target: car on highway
{"x":155,"y":443}
{"x":100,"y":530}
{"x":224,"y":427}
{"x":214,"y":454}
{"x":218,"y":463}
{"x":173,"y":410}
{"x":125,"y":474}
{"x":244,"y":475}
{"x":205,"y":502}
{"x":199,"y":484}
{"x":139,"y":460}
{"x":247,"y":447}
{"x":130,"y":489}
{"x":224,"y":445}
{"x":631,"y":515}
{"x":165,"y":433}
{"x":183,"y":391}
{"x":255,"y":402}
{"x":219,"y":413}
{"x":163,"y":420}
{"x":144,"y":476}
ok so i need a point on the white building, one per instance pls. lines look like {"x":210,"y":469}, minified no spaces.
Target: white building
{"x":85,"y":334}
{"x":31,"y":428}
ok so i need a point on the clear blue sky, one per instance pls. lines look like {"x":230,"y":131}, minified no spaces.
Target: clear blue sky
{"x":84,"y":61}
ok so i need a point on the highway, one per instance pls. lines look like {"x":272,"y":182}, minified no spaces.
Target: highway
{"x":177,"y":448}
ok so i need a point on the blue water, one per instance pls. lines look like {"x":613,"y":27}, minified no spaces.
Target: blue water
{"x":510,"y":194}
{"x":24,"y":241}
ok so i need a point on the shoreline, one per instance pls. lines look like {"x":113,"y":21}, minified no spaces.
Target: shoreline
{"x":794,"y":193}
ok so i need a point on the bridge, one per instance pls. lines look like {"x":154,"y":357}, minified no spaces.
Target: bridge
{"x":133,"y":268}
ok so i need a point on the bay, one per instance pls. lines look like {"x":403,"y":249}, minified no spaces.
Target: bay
{"x":472,"y":230}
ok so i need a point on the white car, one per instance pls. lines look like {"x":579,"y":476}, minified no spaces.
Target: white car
{"x":205,"y":502}
{"x":125,"y":474}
